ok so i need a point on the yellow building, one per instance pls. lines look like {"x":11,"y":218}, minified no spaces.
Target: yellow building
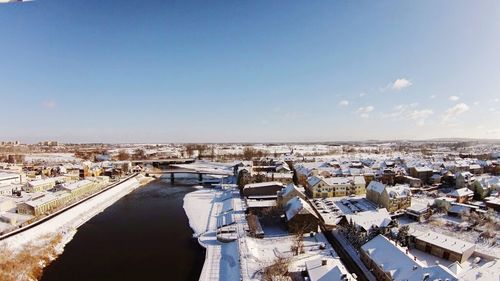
{"x":320,"y":187}
{"x":80,"y":188}
{"x":40,"y":185}
{"x":38,"y":205}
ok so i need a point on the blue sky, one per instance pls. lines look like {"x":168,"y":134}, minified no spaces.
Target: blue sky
{"x":209,"y":71}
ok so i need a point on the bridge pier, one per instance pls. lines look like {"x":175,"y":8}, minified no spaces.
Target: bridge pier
{"x":171,"y":178}
{"x":200,"y":177}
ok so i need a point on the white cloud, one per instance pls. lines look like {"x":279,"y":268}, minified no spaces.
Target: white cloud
{"x":49,"y":104}
{"x":420,"y":115}
{"x":453,"y":98}
{"x":362,"y":95}
{"x":496,"y":100}
{"x":364,"y":112}
{"x":432,"y":96}
{"x":344,"y":103}
{"x":400,"y":84}
{"x":476,"y":103}
{"x":453,"y":112}
{"x":410,"y":112}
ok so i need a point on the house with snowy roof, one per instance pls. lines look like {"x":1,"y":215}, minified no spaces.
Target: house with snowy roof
{"x":422,"y":173}
{"x":365,"y":221}
{"x":388,"y":261}
{"x":393,"y":198}
{"x":443,"y":246}
{"x":327,"y":268}
{"x":260,"y":189}
{"x":321,"y":187}
{"x":300,"y":216}
{"x":289,"y":192}
{"x":464,"y":179}
{"x":461,"y":195}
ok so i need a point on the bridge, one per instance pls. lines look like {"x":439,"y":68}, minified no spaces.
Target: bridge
{"x":163,"y":162}
{"x":199,"y":172}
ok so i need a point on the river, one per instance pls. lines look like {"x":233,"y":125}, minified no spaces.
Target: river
{"x":143,"y":236}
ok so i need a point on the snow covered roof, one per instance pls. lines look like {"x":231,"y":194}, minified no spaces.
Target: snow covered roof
{"x":298,"y":206}
{"x":446,"y":242}
{"x":263,"y":184}
{"x":333,"y":270}
{"x":42,"y":182}
{"x":376,"y":186}
{"x":423,"y":169}
{"x":312,"y":181}
{"x":338,"y":180}
{"x":393,"y":260}
{"x":461,"y":192}
{"x":77,"y":184}
{"x":368,"y":219}
{"x":40,"y":200}
{"x":490,"y":182}
{"x":398,"y":191}
{"x":289,"y":189}
{"x":8,"y":176}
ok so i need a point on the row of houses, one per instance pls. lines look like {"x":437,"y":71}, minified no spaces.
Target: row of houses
{"x":46,"y":202}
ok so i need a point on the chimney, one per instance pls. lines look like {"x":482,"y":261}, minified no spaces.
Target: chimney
{"x":323,"y":262}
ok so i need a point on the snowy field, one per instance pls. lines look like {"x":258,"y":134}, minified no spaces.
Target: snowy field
{"x":52,"y":158}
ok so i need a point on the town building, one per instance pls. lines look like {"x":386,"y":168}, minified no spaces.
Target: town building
{"x":300,"y":216}
{"x":365,"y":221}
{"x":443,"y":246}
{"x":461,"y":195}
{"x":40,"y":185}
{"x":263,"y":189}
{"x":464,"y":179}
{"x":393,"y":198}
{"x":422,"y":173}
{"x":41,"y":204}
{"x":80,"y":188}
{"x":320,"y":187}
{"x":389,"y":262}
{"x":289,"y":192}
{"x":327,"y":268}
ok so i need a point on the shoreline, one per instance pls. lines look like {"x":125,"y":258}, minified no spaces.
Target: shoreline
{"x":222,"y":260}
{"x":65,"y":225}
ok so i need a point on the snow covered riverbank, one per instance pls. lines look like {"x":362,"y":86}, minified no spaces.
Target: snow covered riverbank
{"x":198,"y":206}
{"x":65,"y":225}
{"x":202,"y":208}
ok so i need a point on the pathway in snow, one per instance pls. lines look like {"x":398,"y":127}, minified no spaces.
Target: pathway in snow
{"x":222,"y":259}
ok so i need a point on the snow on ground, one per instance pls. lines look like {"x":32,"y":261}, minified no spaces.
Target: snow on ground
{"x":262,"y":253}
{"x":222,"y":259}
{"x":52,"y":157}
{"x":447,"y":225}
{"x":67,"y":222}
{"x":198,"y":205}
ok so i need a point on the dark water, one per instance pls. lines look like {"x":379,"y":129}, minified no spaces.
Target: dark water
{"x":143,"y":236}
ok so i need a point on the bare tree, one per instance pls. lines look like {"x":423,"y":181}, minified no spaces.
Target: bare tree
{"x":123,"y":155}
{"x":139,"y":154}
{"x":278,"y":269}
